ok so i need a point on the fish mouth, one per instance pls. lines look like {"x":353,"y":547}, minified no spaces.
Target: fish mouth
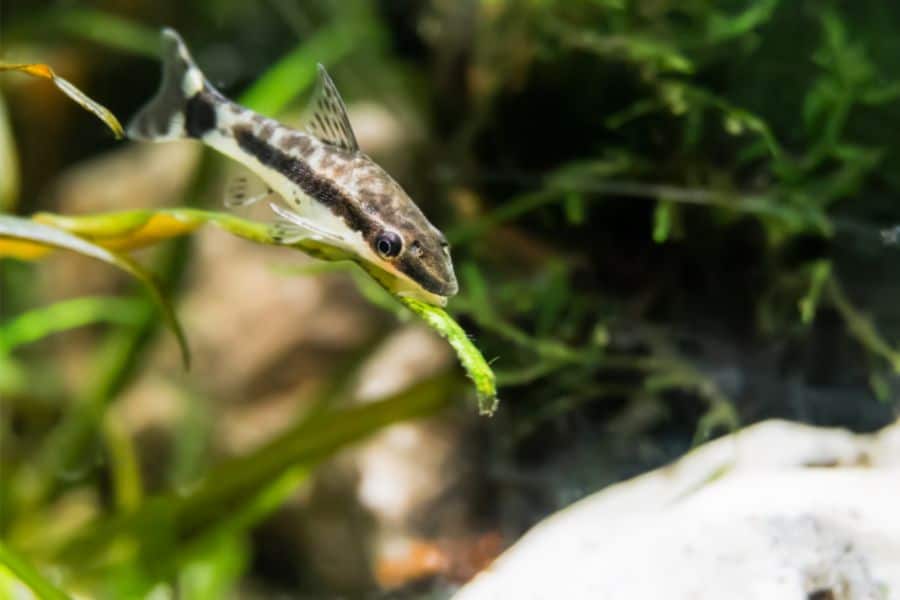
{"x":446,"y":289}
{"x":432,"y":290}
{"x":441,"y":283}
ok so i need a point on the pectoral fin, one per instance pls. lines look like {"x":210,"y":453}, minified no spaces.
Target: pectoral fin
{"x":291,"y":228}
{"x":245,"y":189}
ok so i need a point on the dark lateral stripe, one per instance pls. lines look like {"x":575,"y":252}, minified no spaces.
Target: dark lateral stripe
{"x":313,"y":185}
{"x":326,"y":192}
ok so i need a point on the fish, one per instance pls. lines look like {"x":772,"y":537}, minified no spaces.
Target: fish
{"x":329,"y":190}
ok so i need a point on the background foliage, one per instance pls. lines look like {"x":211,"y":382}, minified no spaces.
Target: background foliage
{"x":666,"y":218}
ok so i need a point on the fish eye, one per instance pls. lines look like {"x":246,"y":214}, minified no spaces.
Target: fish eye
{"x":388,"y":244}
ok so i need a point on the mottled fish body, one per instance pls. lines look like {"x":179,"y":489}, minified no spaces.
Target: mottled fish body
{"x":333,"y":192}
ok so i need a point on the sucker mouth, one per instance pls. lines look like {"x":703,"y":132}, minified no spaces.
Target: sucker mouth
{"x":442,"y":284}
{"x":440,"y":288}
{"x":449,"y":289}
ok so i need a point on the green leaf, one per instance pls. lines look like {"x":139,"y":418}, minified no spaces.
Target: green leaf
{"x":722,"y":27}
{"x":9,"y":162}
{"x":238,"y":492}
{"x":574,"y":207}
{"x":213,"y":573}
{"x":39,"y":323}
{"x":472,"y":361}
{"x":30,"y":576}
{"x":296,"y":71}
{"x":662,"y":221}
{"x":649,"y":52}
{"x":105,"y":28}
{"x":125,"y":471}
{"x":861,"y":326}
{"x":19,"y":229}
{"x":137,"y":228}
{"x":880,"y":386}
{"x":809,"y":303}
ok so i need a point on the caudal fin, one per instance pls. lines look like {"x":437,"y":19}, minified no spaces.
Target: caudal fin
{"x":183,"y":106}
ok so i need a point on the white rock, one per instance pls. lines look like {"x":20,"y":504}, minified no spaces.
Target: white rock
{"x":778,"y":510}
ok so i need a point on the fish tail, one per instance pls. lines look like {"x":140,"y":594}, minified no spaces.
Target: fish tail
{"x":185,"y":104}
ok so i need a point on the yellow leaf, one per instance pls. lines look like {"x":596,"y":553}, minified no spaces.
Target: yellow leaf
{"x":11,"y":248}
{"x":45,"y":72}
{"x":125,"y":230}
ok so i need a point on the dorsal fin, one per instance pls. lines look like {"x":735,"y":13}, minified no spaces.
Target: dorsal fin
{"x":329,"y":121}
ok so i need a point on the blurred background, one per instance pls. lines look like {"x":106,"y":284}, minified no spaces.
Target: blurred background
{"x":666,"y":217}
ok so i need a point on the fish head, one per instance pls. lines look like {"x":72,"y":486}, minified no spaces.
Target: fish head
{"x":407,"y":254}
{"x":413,"y":254}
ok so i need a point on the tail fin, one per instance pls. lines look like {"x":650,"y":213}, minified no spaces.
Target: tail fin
{"x":180,"y":107}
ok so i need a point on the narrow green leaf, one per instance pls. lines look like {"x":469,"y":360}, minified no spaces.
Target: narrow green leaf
{"x":662,"y":221}
{"x":134,"y":228}
{"x":30,"y":576}
{"x":26,"y":230}
{"x":809,"y":303}
{"x":214,"y":571}
{"x":296,"y":71}
{"x":471,"y":359}
{"x":41,"y":322}
{"x":9,"y":162}
{"x":128,"y":488}
{"x":220,"y":499}
{"x":723,"y":27}
{"x":574,"y":207}
{"x":107,"y":29}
